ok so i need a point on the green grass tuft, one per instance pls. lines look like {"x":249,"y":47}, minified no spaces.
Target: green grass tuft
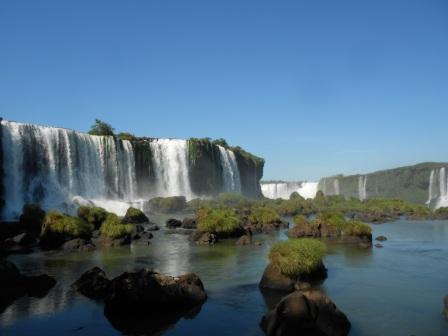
{"x":113,"y":228}
{"x":57,"y":222}
{"x":217,"y":220}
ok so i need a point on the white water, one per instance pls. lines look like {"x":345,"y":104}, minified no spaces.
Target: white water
{"x":285,"y":189}
{"x":230,"y":173}
{"x":60,"y":168}
{"x":171,"y":168}
{"x":362,"y":187}
{"x":438,"y":188}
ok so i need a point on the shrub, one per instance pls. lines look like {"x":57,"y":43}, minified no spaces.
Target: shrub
{"x":357,"y":228}
{"x":297,"y":256}
{"x":263,"y":216}
{"x":113,"y":228}
{"x":300,"y":220}
{"x":101,"y":128}
{"x":168,"y":204}
{"x":92,"y":215}
{"x":59,"y":223}
{"x":217,"y":220}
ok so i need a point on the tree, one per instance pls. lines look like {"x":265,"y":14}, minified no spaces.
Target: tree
{"x":101,"y":128}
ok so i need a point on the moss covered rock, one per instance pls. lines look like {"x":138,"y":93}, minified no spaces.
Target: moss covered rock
{"x":93,"y":215}
{"x":167,"y":204}
{"x":134,"y":216}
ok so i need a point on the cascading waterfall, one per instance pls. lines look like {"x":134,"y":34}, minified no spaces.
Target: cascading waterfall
{"x":438,"y":188}
{"x":171,"y":168}
{"x":362,"y":187}
{"x":231,"y":173}
{"x":285,"y":189}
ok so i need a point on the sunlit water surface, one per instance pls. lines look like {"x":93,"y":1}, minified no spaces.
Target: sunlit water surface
{"x":396,"y":290}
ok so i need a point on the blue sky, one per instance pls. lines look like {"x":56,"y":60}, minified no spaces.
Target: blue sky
{"x":314,"y":87}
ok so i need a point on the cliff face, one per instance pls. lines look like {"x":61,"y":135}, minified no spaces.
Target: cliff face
{"x":411,"y":183}
{"x":251,"y":172}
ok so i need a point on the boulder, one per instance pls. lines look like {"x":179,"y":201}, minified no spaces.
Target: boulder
{"x":24,"y":238}
{"x":32,"y":218}
{"x":134,"y":216}
{"x":173,"y":223}
{"x":307,"y":312}
{"x":206,"y":238}
{"x":94,"y":284}
{"x":78,"y":245}
{"x":304,"y":230}
{"x":189,"y":223}
{"x":274,"y":279}
{"x":381,"y":238}
{"x":244,"y":240}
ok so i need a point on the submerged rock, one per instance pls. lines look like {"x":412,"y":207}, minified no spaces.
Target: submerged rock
{"x":381,"y":238}
{"x":244,"y":240}
{"x":94,"y":284}
{"x":378,"y":245}
{"x":14,"y":285}
{"x":307,"y":312}
{"x":78,"y":245}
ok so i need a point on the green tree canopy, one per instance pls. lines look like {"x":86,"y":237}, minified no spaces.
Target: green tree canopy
{"x":101,"y":128}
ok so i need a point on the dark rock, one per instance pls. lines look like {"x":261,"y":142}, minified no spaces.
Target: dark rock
{"x":103,"y":241}
{"x":32,"y":218}
{"x":274,"y":279}
{"x":244,"y":240}
{"x":363,"y":241}
{"x":329,"y":231}
{"x":173,"y":223}
{"x":381,"y":238}
{"x":152,"y":227}
{"x":134,"y":216}
{"x":139,"y":228}
{"x":378,"y":245}
{"x":207,"y":239}
{"x":146,"y":302}
{"x":14,"y":285}
{"x":94,"y":284}
{"x":307,"y":312}
{"x":78,"y":245}
{"x":189,"y":223}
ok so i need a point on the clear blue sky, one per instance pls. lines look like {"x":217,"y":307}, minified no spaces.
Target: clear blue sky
{"x":314,"y":87}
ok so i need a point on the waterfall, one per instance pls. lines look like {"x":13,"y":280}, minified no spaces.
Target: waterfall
{"x":336,"y":187}
{"x":438,"y":188}
{"x":362,"y":187}
{"x":231,"y":173}
{"x":171,"y":168}
{"x":285,"y":189}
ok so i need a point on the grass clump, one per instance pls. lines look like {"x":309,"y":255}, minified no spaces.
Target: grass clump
{"x":93,"y":215}
{"x":297,"y":256}
{"x":222,"y":220}
{"x":113,"y":228}
{"x":357,"y":228}
{"x":332,"y":219}
{"x":57,"y":222}
{"x":300,"y":220}
{"x":264,"y":216}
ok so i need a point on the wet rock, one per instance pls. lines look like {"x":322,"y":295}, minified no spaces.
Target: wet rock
{"x":307,"y":312}
{"x":14,"y":285}
{"x":304,"y":230}
{"x":173,"y":223}
{"x":78,"y":245}
{"x":363,"y":240}
{"x":189,"y":223}
{"x":146,"y":302}
{"x":152,"y":227}
{"x":378,"y":245}
{"x":94,"y":284}
{"x":207,"y":238}
{"x":134,"y":216}
{"x":244,"y":240}
{"x":381,"y":238}
{"x":103,"y":241}
{"x":274,"y":279}
{"x":24,"y":238}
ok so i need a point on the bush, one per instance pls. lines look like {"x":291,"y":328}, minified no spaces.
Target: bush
{"x":113,"y":228}
{"x":297,"y":256}
{"x":167,"y":204}
{"x":264,"y":216}
{"x":93,"y":215}
{"x":101,"y":128}
{"x":357,"y":228}
{"x":59,"y":223}
{"x":217,"y":220}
